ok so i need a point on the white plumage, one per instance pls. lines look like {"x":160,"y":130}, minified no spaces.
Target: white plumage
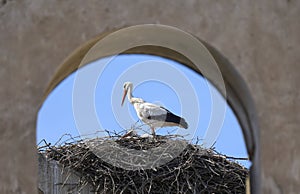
{"x":153,"y":115}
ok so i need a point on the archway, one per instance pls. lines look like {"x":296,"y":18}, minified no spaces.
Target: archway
{"x":234,"y":88}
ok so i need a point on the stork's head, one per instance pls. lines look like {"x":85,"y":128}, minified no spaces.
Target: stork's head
{"x":126,"y":87}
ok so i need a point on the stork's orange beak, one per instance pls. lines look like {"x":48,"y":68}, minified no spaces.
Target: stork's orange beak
{"x":124,"y":95}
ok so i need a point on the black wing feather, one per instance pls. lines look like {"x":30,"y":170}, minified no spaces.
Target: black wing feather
{"x":170,"y":117}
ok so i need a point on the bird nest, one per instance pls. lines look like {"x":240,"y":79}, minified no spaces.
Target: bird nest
{"x":193,"y":170}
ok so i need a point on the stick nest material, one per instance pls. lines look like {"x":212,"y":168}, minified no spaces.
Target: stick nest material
{"x":194,"y":170}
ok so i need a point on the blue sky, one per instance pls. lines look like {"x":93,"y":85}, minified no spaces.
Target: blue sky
{"x":89,"y":100}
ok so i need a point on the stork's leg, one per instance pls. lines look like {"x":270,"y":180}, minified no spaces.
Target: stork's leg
{"x":153,"y":131}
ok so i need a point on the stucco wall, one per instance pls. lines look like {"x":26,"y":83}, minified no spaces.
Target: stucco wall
{"x":52,"y":178}
{"x":261,"y":39}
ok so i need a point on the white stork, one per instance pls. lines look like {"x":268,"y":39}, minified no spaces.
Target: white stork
{"x":153,"y":115}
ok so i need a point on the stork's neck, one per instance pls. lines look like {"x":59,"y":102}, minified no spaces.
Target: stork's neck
{"x":132,"y":99}
{"x":129,"y":93}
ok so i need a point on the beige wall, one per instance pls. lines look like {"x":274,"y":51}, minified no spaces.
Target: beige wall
{"x":260,"y":39}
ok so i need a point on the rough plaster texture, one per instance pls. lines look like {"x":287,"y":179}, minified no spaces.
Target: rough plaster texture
{"x":53,"y":178}
{"x":261,"y":39}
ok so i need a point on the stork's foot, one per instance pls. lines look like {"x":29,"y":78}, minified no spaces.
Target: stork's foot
{"x":154,"y":135}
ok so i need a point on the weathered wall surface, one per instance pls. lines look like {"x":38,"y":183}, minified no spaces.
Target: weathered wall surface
{"x":261,"y":39}
{"x":52,"y":178}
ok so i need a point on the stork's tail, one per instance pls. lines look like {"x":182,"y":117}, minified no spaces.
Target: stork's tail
{"x":176,"y":119}
{"x":170,"y":118}
{"x":183,"y":123}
